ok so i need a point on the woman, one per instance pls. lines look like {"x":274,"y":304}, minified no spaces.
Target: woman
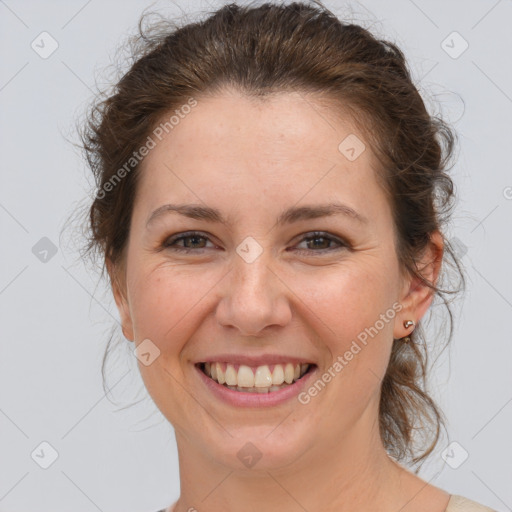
{"x":270,"y":204}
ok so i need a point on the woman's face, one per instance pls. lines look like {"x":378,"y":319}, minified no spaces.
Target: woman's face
{"x":261,"y":290}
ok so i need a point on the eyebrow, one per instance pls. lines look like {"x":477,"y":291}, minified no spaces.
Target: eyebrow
{"x":289,"y":216}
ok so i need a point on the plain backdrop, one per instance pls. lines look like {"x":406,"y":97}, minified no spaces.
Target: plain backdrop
{"x":56,"y":315}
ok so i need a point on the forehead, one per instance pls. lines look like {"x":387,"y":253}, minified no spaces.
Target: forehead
{"x":284,"y":125}
{"x":276,"y":149}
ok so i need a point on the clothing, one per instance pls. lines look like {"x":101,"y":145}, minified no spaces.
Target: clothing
{"x":461,"y":504}
{"x":456,"y":504}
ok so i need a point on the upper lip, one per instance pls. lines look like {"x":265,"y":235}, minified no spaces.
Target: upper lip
{"x":254,"y":360}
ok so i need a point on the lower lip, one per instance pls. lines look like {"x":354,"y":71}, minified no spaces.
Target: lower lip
{"x":242,"y":399}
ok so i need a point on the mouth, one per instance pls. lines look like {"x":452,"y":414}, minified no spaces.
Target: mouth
{"x":263,"y":379}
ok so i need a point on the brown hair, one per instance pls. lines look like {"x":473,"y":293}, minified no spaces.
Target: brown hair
{"x":296,"y":47}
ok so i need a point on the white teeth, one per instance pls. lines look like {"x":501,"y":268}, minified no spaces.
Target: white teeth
{"x":262,"y":377}
{"x":231,"y":377}
{"x":255,"y":380}
{"x":221,"y":378}
{"x":288,"y":373}
{"x":278,"y":375}
{"x":245,"y":377}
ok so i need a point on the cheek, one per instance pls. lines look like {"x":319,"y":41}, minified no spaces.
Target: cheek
{"x":356,"y":316}
{"x":349,"y":300}
{"x":357,"y":324}
{"x":165,"y":303}
{"x":161,"y":301}
{"x":339,"y":302}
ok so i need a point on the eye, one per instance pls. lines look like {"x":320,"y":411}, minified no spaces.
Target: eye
{"x":321,"y":240}
{"x":192,"y":242}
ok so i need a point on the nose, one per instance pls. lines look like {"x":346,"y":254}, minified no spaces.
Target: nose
{"x":253,"y":298}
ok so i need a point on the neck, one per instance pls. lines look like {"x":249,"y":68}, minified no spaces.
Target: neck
{"x":352,"y":475}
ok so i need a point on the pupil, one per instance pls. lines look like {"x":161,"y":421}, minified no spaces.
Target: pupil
{"x":195,"y":238}
{"x":316,"y":239}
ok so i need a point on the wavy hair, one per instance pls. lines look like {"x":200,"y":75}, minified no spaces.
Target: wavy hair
{"x":274,"y":48}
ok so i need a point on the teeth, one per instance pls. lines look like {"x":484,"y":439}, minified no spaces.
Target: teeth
{"x":220,"y":374}
{"x":289,"y":371}
{"x":278,"y":375}
{"x":255,"y":380}
{"x":245,"y":377}
{"x":263,"y":377}
{"x":231,"y":377}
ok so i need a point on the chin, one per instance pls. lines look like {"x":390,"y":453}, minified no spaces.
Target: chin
{"x":261,"y":448}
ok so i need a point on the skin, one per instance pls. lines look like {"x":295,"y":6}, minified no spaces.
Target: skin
{"x":252,"y":159}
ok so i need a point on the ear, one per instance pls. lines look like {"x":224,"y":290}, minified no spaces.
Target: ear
{"x":118,"y":285}
{"x":416,"y":297}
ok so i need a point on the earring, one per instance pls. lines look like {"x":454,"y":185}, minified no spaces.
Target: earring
{"x":407,"y":324}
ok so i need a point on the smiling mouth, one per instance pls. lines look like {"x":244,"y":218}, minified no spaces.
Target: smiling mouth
{"x":261,"y":379}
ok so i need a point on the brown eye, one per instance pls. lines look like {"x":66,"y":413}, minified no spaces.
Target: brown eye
{"x":320,"y":242}
{"x":192,"y":242}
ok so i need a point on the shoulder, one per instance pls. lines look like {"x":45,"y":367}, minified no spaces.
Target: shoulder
{"x":462,"y":504}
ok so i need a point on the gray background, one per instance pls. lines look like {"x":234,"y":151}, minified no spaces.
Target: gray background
{"x":56,"y":315}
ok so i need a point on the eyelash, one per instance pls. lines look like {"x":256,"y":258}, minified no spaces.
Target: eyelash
{"x":167,"y":244}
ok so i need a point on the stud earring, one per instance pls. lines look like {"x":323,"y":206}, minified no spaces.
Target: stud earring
{"x":407,"y":324}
